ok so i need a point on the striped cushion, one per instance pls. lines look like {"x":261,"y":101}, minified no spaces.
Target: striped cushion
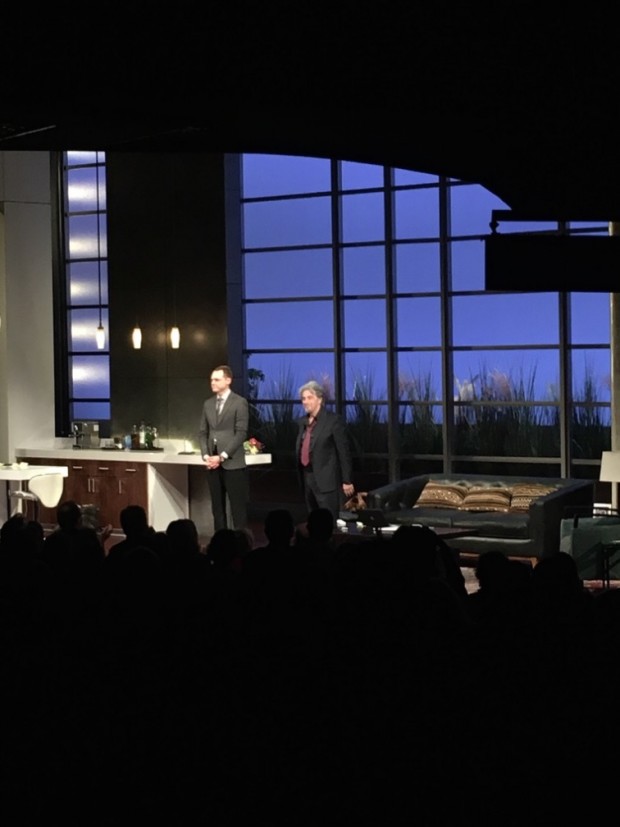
{"x":486,"y":498}
{"x":524,"y":494}
{"x":442,"y":495}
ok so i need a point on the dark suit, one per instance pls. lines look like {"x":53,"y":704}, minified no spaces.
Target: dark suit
{"x":227,"y":433}
{"x":330,"y":462}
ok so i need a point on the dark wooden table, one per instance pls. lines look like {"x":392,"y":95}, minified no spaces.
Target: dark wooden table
{"x":353,"y":534}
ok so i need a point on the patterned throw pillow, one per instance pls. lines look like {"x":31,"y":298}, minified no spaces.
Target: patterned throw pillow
{"x":486,"y":498}
{"x":524,"y":494}
{"x":441,"y":495}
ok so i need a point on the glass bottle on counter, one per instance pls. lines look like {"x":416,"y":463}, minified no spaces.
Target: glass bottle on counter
{"x":135,"y":437}
{"x":142,"y":435}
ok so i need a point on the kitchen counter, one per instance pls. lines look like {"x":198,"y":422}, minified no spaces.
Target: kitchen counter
{"x":176,"y":479}
{"x":165,"y":457}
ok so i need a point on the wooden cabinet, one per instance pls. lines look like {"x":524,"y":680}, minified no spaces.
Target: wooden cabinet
{"x":107,"y":485}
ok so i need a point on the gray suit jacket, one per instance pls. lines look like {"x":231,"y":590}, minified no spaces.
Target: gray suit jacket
{"x":227,"y":432}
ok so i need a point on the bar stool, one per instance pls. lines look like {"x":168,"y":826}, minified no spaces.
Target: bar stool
{"x":43,"y":489}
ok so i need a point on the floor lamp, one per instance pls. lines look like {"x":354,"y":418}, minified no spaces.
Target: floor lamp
{"x":610,"y":472}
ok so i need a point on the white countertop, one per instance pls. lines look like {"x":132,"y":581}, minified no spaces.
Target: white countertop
{"x":10,"y":474}
{"x":168,"y":456}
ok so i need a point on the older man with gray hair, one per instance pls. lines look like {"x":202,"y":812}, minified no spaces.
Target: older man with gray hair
{"x":323,"y":453}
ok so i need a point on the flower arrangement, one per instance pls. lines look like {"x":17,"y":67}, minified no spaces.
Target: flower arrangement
{"x":253,"y":446}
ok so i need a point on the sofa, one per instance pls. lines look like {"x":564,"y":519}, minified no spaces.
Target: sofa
{"x":520,"y":516}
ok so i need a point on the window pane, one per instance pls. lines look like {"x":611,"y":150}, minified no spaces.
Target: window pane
{"x":419,"y":376}
{"x":90,"y":377}
{"x":289,"y":325}
{"x":366,"y":376}
{"x":591,"y":375}
{"x":82,"y":189}
{"x":285,"y":373}
{"x":90,"y":410}
{"x":590,"y":318}
{"x":84,"y":282}
{"x":507,"y":227}
{"x":471,"y":207}
{"x":364,"y":323}
{"x":419,"y":322}
{"x":506,"y":375}
{"x":506,"y":319}
{"x":83,"y":236}
{"x":363,"y":270}
{"x":367,"y":428}
{"x":288,"y":273}
{"x":590,"y":430}
{"x":402,"y":177}
{"x":595,"y":227}
{"x":363,"y":217}
{"x":417,"y":213}
{"x":358,"y":176}
{"x":283,"y":174}
{"x":84,"y":157}
{"x":496,"y":430}
{"x":468,"y":272}
{"x":287,"y":223}
{"x":420,"y":429}
{"x":417,"y":268}
{"x":82,"y":327}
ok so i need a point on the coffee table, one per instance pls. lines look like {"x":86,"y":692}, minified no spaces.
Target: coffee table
{"x":353,"y":533}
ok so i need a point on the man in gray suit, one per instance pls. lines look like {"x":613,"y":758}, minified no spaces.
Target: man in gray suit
{"x":223,"y":430}
{"x":323,"y":453}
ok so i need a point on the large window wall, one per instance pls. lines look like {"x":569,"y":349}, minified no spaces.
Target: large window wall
{"x":84,"y":287}
{"x":371,"y":280}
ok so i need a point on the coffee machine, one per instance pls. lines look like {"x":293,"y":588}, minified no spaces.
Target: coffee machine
{"x":85,"y":434}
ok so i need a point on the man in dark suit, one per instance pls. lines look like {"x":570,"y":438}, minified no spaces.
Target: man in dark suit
{"x":323,"y":453}
{"x":223,"y":430}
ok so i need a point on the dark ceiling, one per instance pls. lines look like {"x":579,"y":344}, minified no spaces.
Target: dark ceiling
{"x":525,"y":105}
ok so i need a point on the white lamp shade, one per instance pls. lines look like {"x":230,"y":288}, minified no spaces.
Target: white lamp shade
{"x":136,"y":338}
{"x":610,"y":466}
{"x":100,"y":337}
{"x":175,"y":338}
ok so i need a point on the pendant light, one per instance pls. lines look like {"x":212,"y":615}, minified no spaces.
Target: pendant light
{"x":175,"y":337}
{"x":175,"y":333}
{"x":100,"y":334}
{"x":136,"y":337}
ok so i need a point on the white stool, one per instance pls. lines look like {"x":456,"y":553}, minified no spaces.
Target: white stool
{"x":43,"y":489}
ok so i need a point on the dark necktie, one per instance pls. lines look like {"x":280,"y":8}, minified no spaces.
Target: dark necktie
{"x":219,"y":405}
{"x":305,"y":444}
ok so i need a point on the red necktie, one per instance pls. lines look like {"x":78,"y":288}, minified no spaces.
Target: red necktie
{"x":305,"y":444}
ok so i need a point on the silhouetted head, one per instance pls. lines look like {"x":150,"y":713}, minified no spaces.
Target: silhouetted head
{"x":183,"y":537}
{"x":492,"y":569}
{"x":134,"y":521}
{"x":320,"y":524}
{"x":279,"y":526}
{"x":223,"y":548}
{"x":69,"y":515}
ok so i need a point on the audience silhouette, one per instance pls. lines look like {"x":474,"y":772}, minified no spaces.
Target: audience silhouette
{"x":298,"y":677}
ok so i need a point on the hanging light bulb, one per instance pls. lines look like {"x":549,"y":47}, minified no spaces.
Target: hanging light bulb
{"x":100,"y":336}
{"x":136,"y":338}
{"x":175,"y":333}
{"x":100,"y":332}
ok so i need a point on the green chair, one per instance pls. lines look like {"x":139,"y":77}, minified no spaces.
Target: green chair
{"x":589,"y":536}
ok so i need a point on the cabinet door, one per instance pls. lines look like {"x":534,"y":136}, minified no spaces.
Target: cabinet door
{"x":79,"y":484}
{"x":119,"y":484}
{"x":109,"y":486}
